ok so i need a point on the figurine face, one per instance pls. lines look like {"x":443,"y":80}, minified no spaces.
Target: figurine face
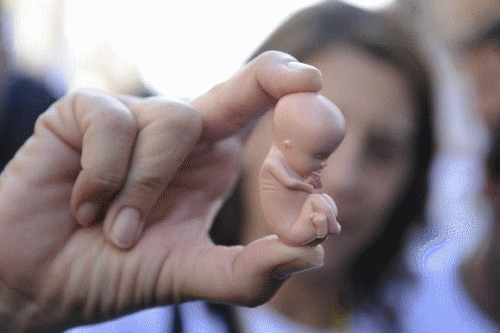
{"x":309,"y":152}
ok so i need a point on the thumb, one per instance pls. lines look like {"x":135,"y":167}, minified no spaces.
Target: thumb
{"x":247,"y":275}
{"x":230,"y":106}
{"x":265,"y":264}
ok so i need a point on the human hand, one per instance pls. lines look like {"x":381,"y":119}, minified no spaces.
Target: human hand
{"x":161,"y":167}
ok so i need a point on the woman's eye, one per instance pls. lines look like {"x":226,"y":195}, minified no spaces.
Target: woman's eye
{"x":381,"y":150}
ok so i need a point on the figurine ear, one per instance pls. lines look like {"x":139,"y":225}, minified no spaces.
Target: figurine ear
{"x":287,"y":144}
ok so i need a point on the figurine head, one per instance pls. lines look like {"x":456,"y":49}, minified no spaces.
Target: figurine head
{"x":307,"y":128}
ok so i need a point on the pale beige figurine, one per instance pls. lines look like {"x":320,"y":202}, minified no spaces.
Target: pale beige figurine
{"x":307,"y":128}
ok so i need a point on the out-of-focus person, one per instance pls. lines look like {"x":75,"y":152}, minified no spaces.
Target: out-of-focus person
{"x":375,"y":72}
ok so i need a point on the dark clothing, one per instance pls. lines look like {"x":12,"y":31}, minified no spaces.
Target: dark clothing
{"x":26,"y":99}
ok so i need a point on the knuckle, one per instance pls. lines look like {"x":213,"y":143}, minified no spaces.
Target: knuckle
{"x":145,"y":186}
{"x":174,"y":115}
{"x":187,"y":120}
{"x":104,"y":180}
{"x":116,"y":120}
{"x":103,"y":110}
{"x":79,"y":93}
{"x":142,"y":192}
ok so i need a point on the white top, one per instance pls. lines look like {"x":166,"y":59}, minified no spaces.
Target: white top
{"x":263,"y":319}
{"x":443,"y":305}
{"x":195,"y":317}
{"x":459,"y":218}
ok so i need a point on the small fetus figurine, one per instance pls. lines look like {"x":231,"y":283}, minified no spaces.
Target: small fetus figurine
{"x":307,"y":128}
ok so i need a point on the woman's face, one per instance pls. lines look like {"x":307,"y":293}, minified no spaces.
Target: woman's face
{"x":368,"y":173}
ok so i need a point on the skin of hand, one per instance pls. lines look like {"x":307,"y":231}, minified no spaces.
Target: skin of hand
{"x":106,"y":208}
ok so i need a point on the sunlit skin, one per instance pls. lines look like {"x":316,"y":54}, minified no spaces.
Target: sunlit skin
{"x":307,"y":128}
{"x":365,"y":176}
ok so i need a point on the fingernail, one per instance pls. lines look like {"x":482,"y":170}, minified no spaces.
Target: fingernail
{"x":314,"y":259}
{"x":86,"y":213}
{"x":126,"y":228}
{"x":295,"y":65}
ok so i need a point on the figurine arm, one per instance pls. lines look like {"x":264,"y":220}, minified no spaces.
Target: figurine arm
{"x":278,"y":171}
{"x":315,"y":180}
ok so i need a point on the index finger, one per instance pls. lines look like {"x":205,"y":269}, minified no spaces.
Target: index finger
{"x":229,"y":106}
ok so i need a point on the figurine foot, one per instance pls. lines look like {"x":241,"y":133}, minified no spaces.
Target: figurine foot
{"x":319,"y":221}
{"x":315,"y":242}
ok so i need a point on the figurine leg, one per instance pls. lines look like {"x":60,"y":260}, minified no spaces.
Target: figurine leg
{"x":314,"y":218}
{"x":333,"y":225}
{"x":321,"y":214}
{"x":320,"y":223}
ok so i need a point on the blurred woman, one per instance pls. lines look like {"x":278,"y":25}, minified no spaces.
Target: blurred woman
{"x":373,"y":71}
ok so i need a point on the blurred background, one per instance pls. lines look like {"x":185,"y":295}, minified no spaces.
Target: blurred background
{"x":180,"y":48}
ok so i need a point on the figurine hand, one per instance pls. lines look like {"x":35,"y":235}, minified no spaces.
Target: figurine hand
{"x":144,"y":173}
{"x":300,"y":186}
{"x":315,"y":180}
